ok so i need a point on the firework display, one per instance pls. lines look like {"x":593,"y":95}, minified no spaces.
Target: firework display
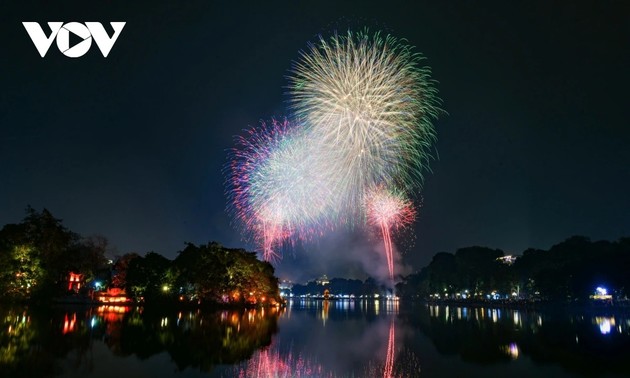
{"x":363,"y":109}
{"x":371,"y":104}
{"x":280,"y":189}
{"x":387,"y":210}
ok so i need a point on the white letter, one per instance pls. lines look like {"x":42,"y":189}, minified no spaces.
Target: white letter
{"x":41,"y":42}
{"x":63,"y":40}
{"x":101,"y":38}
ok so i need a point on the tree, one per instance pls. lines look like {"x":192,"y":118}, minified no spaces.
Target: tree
{"x":442,"y":273}
{"x":477,"y":268}
{"x":86,"y":256}
{"x":36,"y":249}
{"x":120,"y":269}
{"x":146,"y":276}
{"x":217,"y":274}
{"x":21,"y":272}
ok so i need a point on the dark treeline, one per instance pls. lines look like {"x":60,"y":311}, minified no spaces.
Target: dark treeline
{"x":38,"y":254}
{"x":570,"y":270}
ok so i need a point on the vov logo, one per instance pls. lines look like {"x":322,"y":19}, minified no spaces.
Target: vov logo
{"x":60,"y":31}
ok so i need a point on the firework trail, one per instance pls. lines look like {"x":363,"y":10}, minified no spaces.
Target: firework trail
{"x":389,"y":209}
{"x":371,"y":104}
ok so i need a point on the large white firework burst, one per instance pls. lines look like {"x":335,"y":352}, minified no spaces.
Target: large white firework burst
{"x":371,"y":104}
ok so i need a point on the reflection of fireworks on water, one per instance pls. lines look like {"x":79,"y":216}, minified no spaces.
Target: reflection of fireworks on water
{"x":279,"y":187}
{"x":391,"y":352}
{"x":371,"y":104}
{"x":406,"y":364}
{"x":269,"y":363}
{"x":387,"y":210}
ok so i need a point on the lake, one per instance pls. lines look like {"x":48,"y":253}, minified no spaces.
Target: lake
{"x":340,"y":338}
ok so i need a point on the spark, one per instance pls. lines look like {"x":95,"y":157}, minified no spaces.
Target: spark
{"x":280,"y":188}
{"x":364,"y":107}
{"x":389,"y":209}
{"x":371,"y":104}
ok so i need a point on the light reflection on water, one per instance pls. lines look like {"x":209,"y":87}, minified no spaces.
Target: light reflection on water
{"x":511,"y":350}
{"x":296,"y":361}
{"x":606,"y":324}
{"x":337,"y":338}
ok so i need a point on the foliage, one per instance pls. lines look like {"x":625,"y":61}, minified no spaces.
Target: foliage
{"x":570,"y":270}
{"x":340,"y":286}
{"x":37,"y":254}
{"x":223,"y":274}
{"x":204,"y":273}
{"x":21,"y":271}
{"x":146,"y":276}
{"x":120,"y":269}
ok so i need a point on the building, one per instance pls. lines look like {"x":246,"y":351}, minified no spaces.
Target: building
{"x":507,"y":259}
{"x":75,"y":281}
{"x":323,"y":280}
{"x":113,"y":295}
{"x":285,"y":285}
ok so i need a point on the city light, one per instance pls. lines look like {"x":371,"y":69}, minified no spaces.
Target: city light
{"x":601,"y":293}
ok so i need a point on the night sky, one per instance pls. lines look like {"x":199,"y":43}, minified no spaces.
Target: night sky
{"x":534,"y":147}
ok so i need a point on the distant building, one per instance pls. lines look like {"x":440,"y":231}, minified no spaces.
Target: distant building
{"x":601,"y":294}
{"x":285,"y":285}
{"x":323,"y":280}
{"x":507,"y":259}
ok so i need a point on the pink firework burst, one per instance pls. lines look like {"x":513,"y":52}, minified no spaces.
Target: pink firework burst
{"x":250,"y":204}
{"x":280,"y":187}
{"x":389,"y":210}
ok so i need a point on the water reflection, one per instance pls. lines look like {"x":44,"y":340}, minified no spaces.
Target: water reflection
{"x":580,"y":342}
{"x":334,"y":339}
{"x":272,"y":363}
{"x":45,"y":342}
{"x":511,"y":350}
{"x":325,"y":338}
{"x":606,"y":324}
{"x":388,"y":370}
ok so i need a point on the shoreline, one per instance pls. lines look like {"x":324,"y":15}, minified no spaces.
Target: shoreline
{"x":533,"y":305}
